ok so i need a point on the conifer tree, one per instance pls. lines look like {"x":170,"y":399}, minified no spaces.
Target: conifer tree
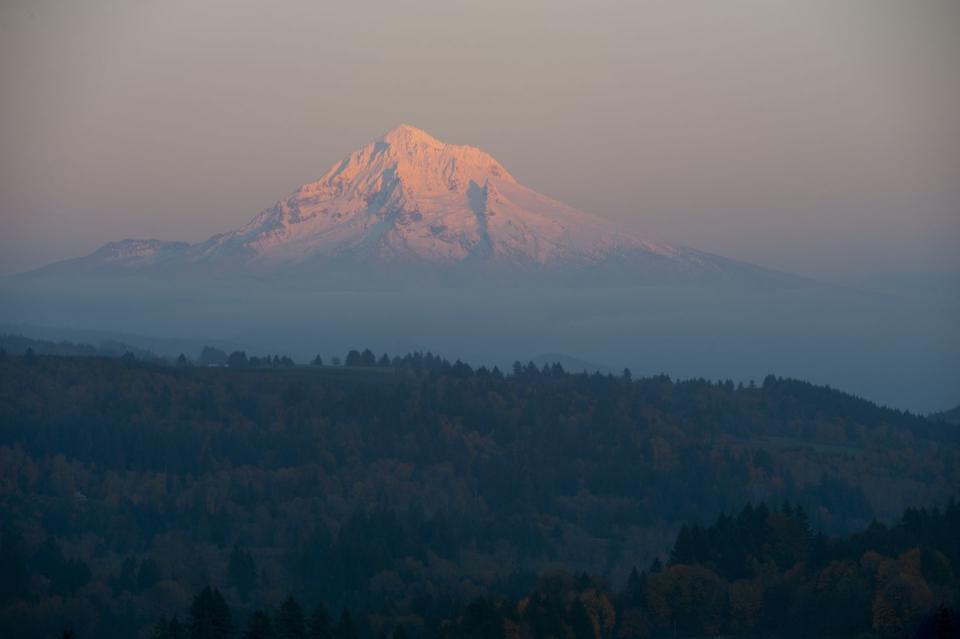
{"x":210,"y":616}
{"x":345,"y":627}
{"x":259,"y":626}
{"x":320,"y":625}
{"x":290,"y":623}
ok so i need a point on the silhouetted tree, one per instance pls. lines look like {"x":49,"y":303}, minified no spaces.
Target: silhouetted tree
{"x":15,"y":578}
{"x":290,"y":623}
{"x":171,"y":629}
{"x":242,"y":571}
{"x":942,"y":623}
{"x":345,"y":628}
{"x":320,"y":623}
{"x":237,"y":359}
{"x":580,"y":622}
{"x":210,"y":616}
{"x":148,"y":574}
{"x":211,"y":356}
{"x":259,"y":626}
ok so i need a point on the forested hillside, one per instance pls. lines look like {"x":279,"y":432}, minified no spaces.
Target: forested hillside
{"x":759,"y":573}
{"x":403,"y":488}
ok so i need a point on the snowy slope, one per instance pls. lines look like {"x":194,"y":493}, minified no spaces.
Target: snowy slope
{"x":407,"y":198}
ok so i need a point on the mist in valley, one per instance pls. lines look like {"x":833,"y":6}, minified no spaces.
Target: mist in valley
{"x":892,"y":348}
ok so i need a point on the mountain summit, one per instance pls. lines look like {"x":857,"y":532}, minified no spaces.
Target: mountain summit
{"x":408,"y":199}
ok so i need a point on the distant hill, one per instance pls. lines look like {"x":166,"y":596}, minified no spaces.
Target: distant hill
{"x":134,"y":342}
{"x":951,"y":416}
{"x":20,"y":345}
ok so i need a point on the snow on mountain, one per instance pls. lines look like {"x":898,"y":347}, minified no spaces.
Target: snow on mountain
{"x":132,"y":253}
{"x":408,"y":198}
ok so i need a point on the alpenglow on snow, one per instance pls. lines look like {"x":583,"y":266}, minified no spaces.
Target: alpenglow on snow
{"x":408,"y":199}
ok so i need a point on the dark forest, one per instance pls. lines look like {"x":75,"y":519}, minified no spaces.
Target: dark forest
{"x":412,"y":496}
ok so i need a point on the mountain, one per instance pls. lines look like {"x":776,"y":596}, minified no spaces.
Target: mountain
{"x":408,"y":200}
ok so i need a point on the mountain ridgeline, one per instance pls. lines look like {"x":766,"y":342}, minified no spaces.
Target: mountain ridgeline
{"x":401,"y":489}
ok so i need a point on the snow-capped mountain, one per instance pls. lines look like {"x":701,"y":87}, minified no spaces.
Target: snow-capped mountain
{"x":408,"y":199}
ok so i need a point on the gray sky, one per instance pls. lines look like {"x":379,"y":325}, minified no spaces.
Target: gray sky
{"x":820,"y":137}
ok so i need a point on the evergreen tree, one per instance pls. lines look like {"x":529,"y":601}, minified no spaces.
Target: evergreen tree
{"x":345,"y":627}
{"x":211,"y":356}
{"x":259,"y":626}
{"x":320,"y":627}
{"x":580,"y":621}
{"x":171,"y":629}
{"x":15,"y":578}
{"x":482,"y":620}
{"x":148,"y":574}
{"x":210,"y":616}
{"x":635,"y":586}
{"x":242,"y":571}
{"x":237,"y":359}
{"x":290,"y":623}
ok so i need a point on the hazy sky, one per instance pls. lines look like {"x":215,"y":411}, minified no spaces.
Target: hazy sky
{"x":816,"y":136}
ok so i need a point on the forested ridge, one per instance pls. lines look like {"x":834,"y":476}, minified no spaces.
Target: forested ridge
{"x":762,"y":572}
{"x":403,"y":489}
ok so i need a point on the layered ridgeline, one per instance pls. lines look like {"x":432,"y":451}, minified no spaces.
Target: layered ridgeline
{"x":409,"y":201}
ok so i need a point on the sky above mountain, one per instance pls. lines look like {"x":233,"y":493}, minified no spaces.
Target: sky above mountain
{"x":811,"y":137}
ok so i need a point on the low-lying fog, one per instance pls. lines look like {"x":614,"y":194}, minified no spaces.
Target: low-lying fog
{"x":899,"y":351}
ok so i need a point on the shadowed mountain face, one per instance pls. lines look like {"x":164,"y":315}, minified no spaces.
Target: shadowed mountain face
{"x":410,"y":202}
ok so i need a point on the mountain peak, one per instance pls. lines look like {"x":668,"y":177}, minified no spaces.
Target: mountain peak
{"x":408,"y":197}
{"x":404,"y":167}
{"x":404,"y":135}
{"x":418,"y":156}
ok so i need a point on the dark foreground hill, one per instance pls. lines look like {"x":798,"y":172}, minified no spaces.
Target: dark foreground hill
{"x":404,"y":489}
